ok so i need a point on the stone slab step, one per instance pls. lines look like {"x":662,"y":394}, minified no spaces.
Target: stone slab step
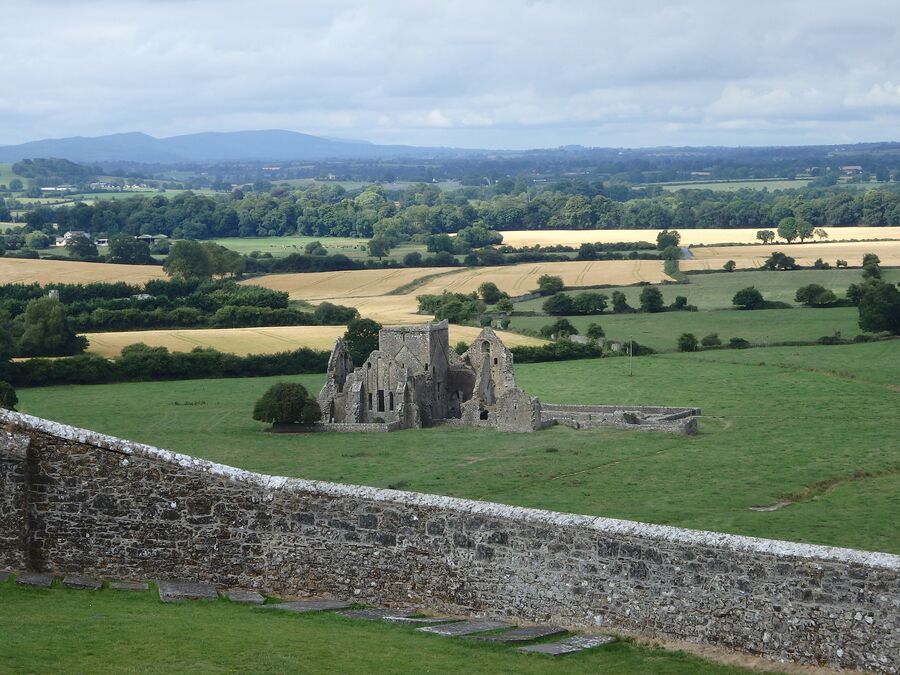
{"x":175,"y":591}
{"x":464,"y":628}
{"x":525,"y":634}
{"x":420,"y":620}
{"x":378,"y":614}
{"x":82,"y":582}
{"x":4,"y":575}
{"x":129,"y":586}
{"x":304,"y":606}
{"x":576,"y":643}
{"x":34,"y":579}
{"x":244,"y":596}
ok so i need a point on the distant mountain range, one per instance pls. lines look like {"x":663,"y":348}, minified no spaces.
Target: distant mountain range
{"x":268,"y":145}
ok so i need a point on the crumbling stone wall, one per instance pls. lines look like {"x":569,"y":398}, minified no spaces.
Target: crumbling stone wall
{"x":641,"y":418}
{"x":100,"y":505}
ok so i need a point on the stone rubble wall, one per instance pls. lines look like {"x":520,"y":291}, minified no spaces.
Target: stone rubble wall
{"x":100,"y":505}
{"x":13,"y":501}
{"x":641,"y":418}
{"x":341,"y":427}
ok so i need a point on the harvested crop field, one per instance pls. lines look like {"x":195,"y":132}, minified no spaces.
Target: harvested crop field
{"x":347,"y":283}
{"x":370,"y":291}
{"x":713,"y":257}
{"x":25,"y":271}
{"x":245,"y":341}
{"x":688,"y":237}
{"x":521,"y":279}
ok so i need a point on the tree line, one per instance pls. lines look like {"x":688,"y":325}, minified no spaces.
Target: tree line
{"x":421,"y":211}
{"x":38,"y":320}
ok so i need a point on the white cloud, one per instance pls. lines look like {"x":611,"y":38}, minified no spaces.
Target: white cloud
{"x":511,"y":73}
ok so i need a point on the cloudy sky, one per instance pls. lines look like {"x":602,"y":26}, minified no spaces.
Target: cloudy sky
{"x":467,"y":73}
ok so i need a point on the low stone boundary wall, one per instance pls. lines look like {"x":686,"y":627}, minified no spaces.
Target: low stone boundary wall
{"x":642,"y":418}
{"x":362,"y":427}
{"x":78,"y":501}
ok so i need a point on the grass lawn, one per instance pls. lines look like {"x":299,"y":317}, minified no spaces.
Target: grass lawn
{"x":715,"y":291}
{"x":778,"y":422}
{"x":763,"y":326}
{"x":63,"y":630}
{"x":279,"y":247}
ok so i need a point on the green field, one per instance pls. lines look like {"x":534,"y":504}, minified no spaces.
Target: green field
{"x":279,"y":247}
{"x":6,"y":174}
{"x":444,"y":185}
{"x":62,"y":630}
{"x":759,"y":327}
{"x":729,"y":185}
{"x":715,"y":291}
{"x":818,"y":424}
{"x":712,"y":294}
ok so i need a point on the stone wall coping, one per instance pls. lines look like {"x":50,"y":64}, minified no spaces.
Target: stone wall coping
{"x":627,"y":528}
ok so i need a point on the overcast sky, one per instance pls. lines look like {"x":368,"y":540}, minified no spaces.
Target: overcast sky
{"x":467,"y":73}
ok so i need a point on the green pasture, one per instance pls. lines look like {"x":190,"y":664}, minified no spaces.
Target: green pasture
{"x":760,"y":327}
{"x":815,"y":425}
{"x":352,"y":247}
{"x":715,"y":291}
{"x":446,"y":185}
{"x":6,"y":174}
{"x":59,"y":630}
{"x":751,"y":184}
{"x":730,"y":185}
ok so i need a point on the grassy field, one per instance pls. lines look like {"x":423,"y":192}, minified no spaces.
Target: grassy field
{"x":62,"y":630}
{"x":730,"y":185}
{"x":715,"y":291}
{"x":6,"y":174}
{"x":444,"y":185}
{"x":279,"y":247}
{"x":815,"y":425}
{"x":265,"y":340}
{"x":24,"y":271}
{"x":688,"y":237}
{"x":760,"y":327}
{"x":713,"y":257}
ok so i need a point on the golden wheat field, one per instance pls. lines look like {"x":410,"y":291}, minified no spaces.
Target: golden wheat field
{"x":347,"y":283}
{"x":245,"y":341}
{"x":713,"y":257}
{"x":521,"y":279}
{"x":24,"y":271}
{"x":371,"y":293}
{"x":688,"y":237}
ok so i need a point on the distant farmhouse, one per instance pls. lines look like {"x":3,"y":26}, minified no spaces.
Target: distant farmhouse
{"x":414,"y":379}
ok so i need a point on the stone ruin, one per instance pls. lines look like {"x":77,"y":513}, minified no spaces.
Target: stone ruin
{"x":415,"y":379}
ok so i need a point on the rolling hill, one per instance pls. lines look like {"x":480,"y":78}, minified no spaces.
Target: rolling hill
{"x":265,"y":145}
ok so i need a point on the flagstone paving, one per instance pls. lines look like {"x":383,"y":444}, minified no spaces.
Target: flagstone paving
{"x":175,"y":591}
{"x":129,"y":586}
{"x":464,"y":628}
{"x":245,"y":596}
{"x":82,"y":582}
{"x":35,"y":579}
{"x":576,"y":643}
{"x":304,"y":606}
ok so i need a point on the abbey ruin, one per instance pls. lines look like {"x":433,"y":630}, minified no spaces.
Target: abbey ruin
{"x":415,"y":379}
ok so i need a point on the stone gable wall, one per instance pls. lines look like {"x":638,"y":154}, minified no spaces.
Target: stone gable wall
{"x":100,"y":505}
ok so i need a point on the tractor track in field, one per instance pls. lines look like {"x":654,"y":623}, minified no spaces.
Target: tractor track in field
{"x":822,"y":487}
